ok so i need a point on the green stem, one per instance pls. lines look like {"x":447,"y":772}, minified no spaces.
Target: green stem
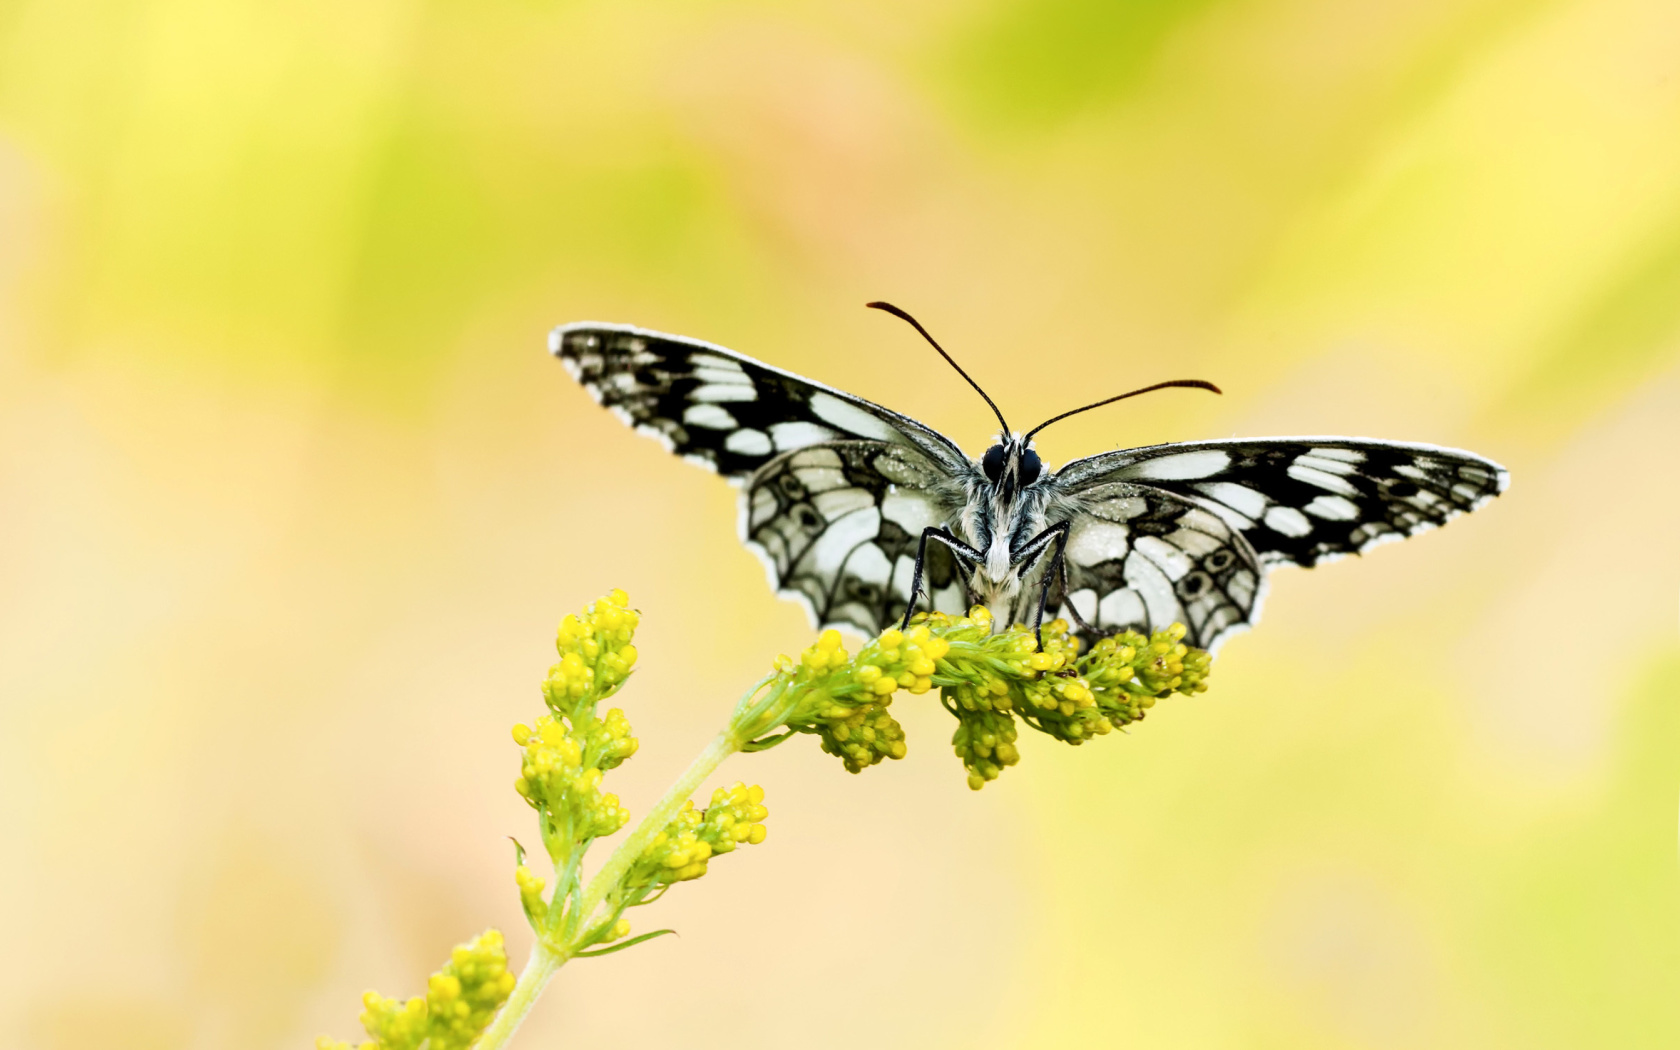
{"x":538,"y":969}
{"x":726,"y":743}
{"x":546,"y":959}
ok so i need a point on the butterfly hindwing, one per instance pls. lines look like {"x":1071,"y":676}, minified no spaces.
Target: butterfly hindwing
{"x":1139,"y":558}
{"x":722,"y":409}
{"x":1299,"y":501}
{"x":837,"y":526}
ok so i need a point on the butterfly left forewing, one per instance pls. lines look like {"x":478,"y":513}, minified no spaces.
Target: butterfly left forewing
{"x":722,"y":409}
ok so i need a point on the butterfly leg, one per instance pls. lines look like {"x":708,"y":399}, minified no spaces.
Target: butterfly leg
{"x":1053,"y":538}
{"x":956,"y":546}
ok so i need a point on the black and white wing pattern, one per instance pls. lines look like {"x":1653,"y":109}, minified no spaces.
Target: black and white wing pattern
{"x":722,"y":409}
{"x":1271,"y":501}
{"x":837,"y":527}
{"x":835,"y":489}
{"x":1139,"y":558}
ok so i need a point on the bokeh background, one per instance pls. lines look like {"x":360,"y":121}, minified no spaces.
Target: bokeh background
{"x":292,"y":498}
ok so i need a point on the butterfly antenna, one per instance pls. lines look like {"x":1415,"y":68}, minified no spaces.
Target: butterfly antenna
{"x":901,"y":315}
{"x":1199,"y":384}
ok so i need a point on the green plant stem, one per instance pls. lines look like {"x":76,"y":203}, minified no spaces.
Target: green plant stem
{"x":538,"y":969}
{"x":725,"y":744}
{"x":546,"y":959}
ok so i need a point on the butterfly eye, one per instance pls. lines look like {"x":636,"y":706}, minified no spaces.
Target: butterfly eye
{"x":1030,"y":467}
{"x":992,"y":463}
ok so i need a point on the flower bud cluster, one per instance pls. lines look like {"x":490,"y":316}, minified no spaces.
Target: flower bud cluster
{"x":595,"y":654}
{"x":1129,"y":672}
{"x":568,"y":751}
{"x":459,"y":1002}
{"x":682,"y":851}
{"x":988,"y":681}
{"x":844,"y":701}
{"x":985,"y":741}
{"x":560,"y":774}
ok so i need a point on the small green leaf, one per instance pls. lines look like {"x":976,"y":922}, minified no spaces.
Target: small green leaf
{"x":626,"y":944}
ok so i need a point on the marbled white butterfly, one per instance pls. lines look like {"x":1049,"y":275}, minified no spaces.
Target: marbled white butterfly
{"x":857,"y":511}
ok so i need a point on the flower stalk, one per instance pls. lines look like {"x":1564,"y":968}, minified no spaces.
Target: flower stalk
{"x":992,"y":683}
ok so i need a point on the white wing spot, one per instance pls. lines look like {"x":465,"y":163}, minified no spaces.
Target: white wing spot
{"x":1095,"y":542}
{"x":837,"y":503}
{"x":763,"y":506}
{"x":1121,"y":608}
{"x":1248,"y":502}
{"x":1084,"y":602}
{"x":829,"y":553}
{"x":816,"y":457}
{"x":820,"y":479}
{"x":712,"y":417}
{"x":1182,"y":466}
{"x":723,"y":392}
{"x":714,"y":361}
{"x":1172,"y":561}
{"x":748,"y":442}
{"x":1332,"y":508}
{"x":1197,"y":542}
{"x":910,"y":513}
{"x":721,"y":377}
{"x":1323,"y":479}
{"x":1288,"y":521}
{"x":850,"y":418}
{"x":1147,"y":579}
{"x":903,"y":569}
{"x":1346,"y":455}
{"x":1122,"y":508}
{"x":869,"y":563}
{"x":1328,"y":466}
{"x":798,"y":434}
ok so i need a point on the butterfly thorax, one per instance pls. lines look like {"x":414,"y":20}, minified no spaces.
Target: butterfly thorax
{"x":1005,"y":510}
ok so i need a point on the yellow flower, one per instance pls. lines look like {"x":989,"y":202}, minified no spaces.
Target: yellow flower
{"x":683,"y":850}
{"x":460,"y":1000}
{"x":988,"y":681}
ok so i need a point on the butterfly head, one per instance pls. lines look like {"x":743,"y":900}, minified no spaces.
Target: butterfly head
{"x":1012,"y":464}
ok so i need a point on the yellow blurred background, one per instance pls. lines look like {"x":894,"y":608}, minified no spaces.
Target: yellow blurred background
{"x":292,"y":497}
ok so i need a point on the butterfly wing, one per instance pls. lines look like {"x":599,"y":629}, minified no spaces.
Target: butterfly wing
{"x":1139,"y":558}
{"x":837,"y":526}
{"x":722,"y":409}
{"x":1300,"y":501}
{"x":835,"y":490}
{"x":1286,"y":501}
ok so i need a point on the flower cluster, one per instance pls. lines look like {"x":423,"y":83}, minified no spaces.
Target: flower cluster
{"x":989,"y":681}
{"x":844,"y":701}
{"x":566,"y":754}
{"x":568,"y":750}
{"x":459,"y":1002}
{"x":681,"y":851}
{"x":1069,"y":696}
{"x":560,"y":777}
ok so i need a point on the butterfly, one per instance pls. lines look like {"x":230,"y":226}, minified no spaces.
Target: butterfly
{"x":859,"y":512}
